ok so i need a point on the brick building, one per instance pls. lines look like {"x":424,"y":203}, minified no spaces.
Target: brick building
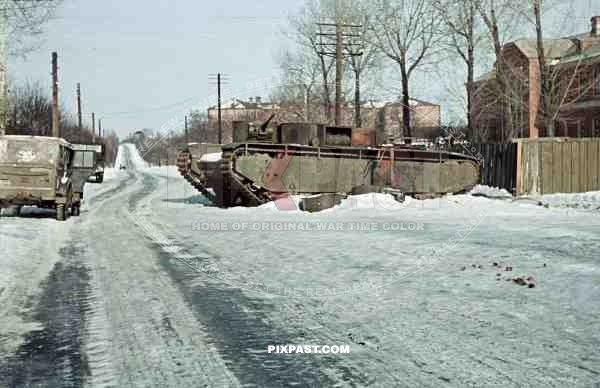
{"x":384,"y":116}
{"x":575,"y":89}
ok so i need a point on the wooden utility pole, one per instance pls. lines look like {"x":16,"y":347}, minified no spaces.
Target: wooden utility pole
{"x":187,"y":140}
{"x":93,"y":127}
{"x":219,"y":108}
{"x":3,"y":69}
{"x":338,"y":70}
{"x":339,"y":35}
{"x":220,"y":78}
{"x":100,"y":128}
{"x":55,"y":113}
{"x":80,"y":124}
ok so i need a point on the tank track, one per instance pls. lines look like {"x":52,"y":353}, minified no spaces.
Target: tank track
{"x":238,"y":189}
{"x":184,"y":161}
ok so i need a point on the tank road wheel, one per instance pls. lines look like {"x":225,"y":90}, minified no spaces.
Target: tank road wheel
{"x":12,"y":211}
{"x":366,"y":189}
{"x":61,"y":213}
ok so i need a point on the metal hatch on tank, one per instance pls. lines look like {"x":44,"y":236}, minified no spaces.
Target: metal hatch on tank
{"x":265,"y":162}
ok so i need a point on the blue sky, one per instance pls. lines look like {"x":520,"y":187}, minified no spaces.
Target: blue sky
{"x":139,"y":55}
{"x":146,"y":63}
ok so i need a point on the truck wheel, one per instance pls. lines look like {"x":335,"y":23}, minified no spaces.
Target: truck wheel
{"x":61,"y":212}
{"x":75,"y":211}
{"x":99,"y":178}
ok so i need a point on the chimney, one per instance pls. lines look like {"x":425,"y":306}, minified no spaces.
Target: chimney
{"x":257,"y":98}
{"x":596,"y":26}
{"x":251,"y":99}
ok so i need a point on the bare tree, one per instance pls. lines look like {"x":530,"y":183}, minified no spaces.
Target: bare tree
{"x":562,"y":81}
{"x":305,"y":31}
{"x":460,"y":18}
{"x":362,"y":52}
{"x":551,"y":77}
{"x":406,"y":32}
{"x":502,"y":19}
{"x":19,"y":19}
{"x":300,"y":89}
{"x":31,"y":110}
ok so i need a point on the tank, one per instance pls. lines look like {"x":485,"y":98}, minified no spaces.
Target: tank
{"x":264,"y":163}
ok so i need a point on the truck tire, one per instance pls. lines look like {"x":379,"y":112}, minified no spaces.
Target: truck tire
{"x":99,"y":178}
{"x":61,"y":213}
{"x":75,"y":210}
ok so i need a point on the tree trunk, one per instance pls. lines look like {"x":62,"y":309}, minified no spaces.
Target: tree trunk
{"x":357,"y":118}
{"x":471,"y":73}
{"x":407,"y":133}
{"x":500,"y":78}
{"x":326,"y":100}
{"x":543,"y":108}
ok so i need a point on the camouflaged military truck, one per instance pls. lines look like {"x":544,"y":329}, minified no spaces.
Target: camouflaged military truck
{"x":36,"y":171}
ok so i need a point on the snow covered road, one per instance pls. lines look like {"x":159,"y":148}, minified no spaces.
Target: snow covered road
{"x":151,"y":288}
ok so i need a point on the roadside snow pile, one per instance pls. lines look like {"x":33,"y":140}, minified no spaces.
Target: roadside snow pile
{"x":136,"y":159}
{"x":212,"y":157}
{"x":583,"y":201}
{"x":491,"y":192}
{"x":121,"y":159}
{"x":375,"y":201}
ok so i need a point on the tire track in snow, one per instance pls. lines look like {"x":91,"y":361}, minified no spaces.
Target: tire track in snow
{"x":239,"y":326}
{"x":154,"y":338}
{"x":53,"y":356}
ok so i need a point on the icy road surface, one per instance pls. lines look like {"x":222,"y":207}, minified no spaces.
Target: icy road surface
{"x":151,"y":288}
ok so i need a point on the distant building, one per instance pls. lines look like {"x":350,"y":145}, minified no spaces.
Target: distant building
{"x":384,"y":116}
{"x":575,"y":67}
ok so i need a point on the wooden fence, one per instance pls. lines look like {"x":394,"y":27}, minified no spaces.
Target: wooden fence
{"x":497,"y":163}
{"x":558,"y":165}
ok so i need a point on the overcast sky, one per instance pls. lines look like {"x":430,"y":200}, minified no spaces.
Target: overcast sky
{"x":153,"y":58}
{"x":146,"y":63}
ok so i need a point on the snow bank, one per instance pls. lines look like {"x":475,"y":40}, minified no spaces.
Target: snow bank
{"x":134,"y":156}
{"x":492,"y":192}
{"x":583,"y":201}
{"x":211,"y":157}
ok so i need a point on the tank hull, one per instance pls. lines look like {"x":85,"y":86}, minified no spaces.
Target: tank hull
{"x":251,"y":174}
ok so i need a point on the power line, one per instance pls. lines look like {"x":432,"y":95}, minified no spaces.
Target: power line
{"x":342,"y":49}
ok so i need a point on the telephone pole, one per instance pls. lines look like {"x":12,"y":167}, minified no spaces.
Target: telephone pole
{"x":93,"y":127}
{"x":220,"y":78}
{"x":219,"y":108}
{"x":186,"y":132}
{"x":100,"y":128}
{"x":338,"y":72}
{"x":3,"y":70}
{"x":79,"y":107}
{"x":339,"y":33}
{"x":55,"y":113}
